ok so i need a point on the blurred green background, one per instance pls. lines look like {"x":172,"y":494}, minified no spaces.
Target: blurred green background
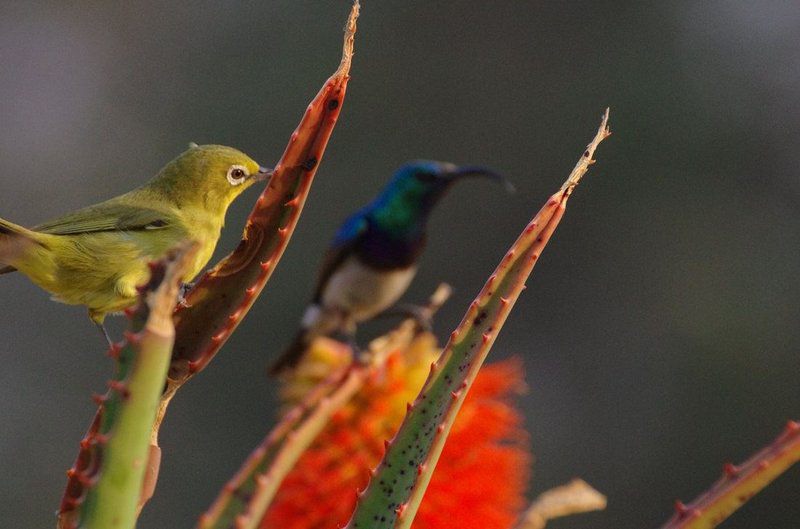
{"x":660,"y":330}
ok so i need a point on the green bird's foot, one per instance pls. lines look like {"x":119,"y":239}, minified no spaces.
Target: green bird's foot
{"x":185,"y":288}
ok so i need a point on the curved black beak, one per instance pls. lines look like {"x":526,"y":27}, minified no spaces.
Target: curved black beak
{"x":263,"y":173}
{"x":481,"y":172}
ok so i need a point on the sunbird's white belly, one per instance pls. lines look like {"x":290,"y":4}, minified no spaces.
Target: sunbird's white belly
{"x":363,"y":292}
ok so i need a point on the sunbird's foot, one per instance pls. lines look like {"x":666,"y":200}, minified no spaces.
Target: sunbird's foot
{"x":360,"y":356}
{"x":421,"y":315}
{"x":105,"y":334}
{"x":349,"y":338}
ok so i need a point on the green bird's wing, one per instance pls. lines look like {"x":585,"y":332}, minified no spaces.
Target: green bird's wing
{"x":108,"y":216}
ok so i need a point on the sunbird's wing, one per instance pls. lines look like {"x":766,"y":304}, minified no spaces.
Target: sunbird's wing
{"x":107,"y":216}
{"x":341,"y":248}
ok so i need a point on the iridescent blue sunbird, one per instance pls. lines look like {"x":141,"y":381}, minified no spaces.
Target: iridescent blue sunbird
{"x":373,"y":257}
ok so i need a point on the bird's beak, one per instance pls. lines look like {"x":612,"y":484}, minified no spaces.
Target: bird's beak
{"x":263,"y":174}
{"x":481,"y":172}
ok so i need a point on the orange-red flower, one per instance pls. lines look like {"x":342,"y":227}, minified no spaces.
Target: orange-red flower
{"x":480,"y":479}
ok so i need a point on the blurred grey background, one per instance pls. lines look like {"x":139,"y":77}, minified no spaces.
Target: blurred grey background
{"x":660,"y":330}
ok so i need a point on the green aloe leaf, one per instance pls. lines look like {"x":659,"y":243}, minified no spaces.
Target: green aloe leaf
{"x":245,"y":499}
{"x":739,"y":483}
{"x":395,"y":491}
{"x":117,"y":447}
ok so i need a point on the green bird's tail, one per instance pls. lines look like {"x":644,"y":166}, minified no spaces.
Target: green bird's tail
{"x":13,"y":241}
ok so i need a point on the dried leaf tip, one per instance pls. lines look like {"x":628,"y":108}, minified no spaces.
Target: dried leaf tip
{"x":573,"y":498}
{"x":349,"y":41}
{"x":587,"y":158}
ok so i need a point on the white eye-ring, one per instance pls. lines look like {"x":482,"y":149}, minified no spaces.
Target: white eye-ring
{"x":237,"y":174}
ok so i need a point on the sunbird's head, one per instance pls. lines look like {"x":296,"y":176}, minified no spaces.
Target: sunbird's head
{"x":211,"y":176}
{"x":417,"y":186}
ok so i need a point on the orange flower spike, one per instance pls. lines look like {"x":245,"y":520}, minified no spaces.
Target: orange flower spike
{"x":487,"y":443}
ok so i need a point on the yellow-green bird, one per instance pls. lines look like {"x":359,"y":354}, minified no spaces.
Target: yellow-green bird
{"x":96,"y":256}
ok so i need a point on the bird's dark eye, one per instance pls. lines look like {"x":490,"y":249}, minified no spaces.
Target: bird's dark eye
{"x":236,"y":175}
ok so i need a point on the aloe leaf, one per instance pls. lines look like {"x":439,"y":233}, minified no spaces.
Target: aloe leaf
{"x":395,"y":491}
{"x":245,"y":499}
{"x":739,"y":483}
{"x":222,"y":297}
{"x":105,"y":484}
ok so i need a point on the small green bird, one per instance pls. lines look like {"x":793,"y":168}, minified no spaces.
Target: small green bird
{"x":96,"y":256}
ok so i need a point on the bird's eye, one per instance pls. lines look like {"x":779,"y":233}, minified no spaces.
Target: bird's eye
{"x":237,"y":174}
{"x":425,"y":176}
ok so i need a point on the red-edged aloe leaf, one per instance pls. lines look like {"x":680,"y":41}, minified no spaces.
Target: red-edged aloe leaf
{"x":739,"y":483}
{"x":243,"y":501}
{"x":246,"y":497}
{"x":222,"y":297}
{"x":395,"y":491}
{"x":104,"y":486}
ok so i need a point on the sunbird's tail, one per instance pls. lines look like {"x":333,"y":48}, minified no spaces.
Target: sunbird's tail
{"x":316,"y":322}
{"x":13,"y":241}
{"x":292,"y":355}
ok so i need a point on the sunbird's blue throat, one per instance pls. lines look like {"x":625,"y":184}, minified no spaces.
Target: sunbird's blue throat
{"x":391,"y":229}
{"x":373,"y":257}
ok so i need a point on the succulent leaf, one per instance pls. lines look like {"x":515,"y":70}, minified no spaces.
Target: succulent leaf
{"x":222,"y":297}
{"x":394,"y":494}
{"x":105,"y":485}
{"x":243,"y":501}
{"x":739,"y":483}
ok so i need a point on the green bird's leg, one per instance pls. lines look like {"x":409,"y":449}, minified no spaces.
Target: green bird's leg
{"x":185,"y":288}
{"x":105,"y":332}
